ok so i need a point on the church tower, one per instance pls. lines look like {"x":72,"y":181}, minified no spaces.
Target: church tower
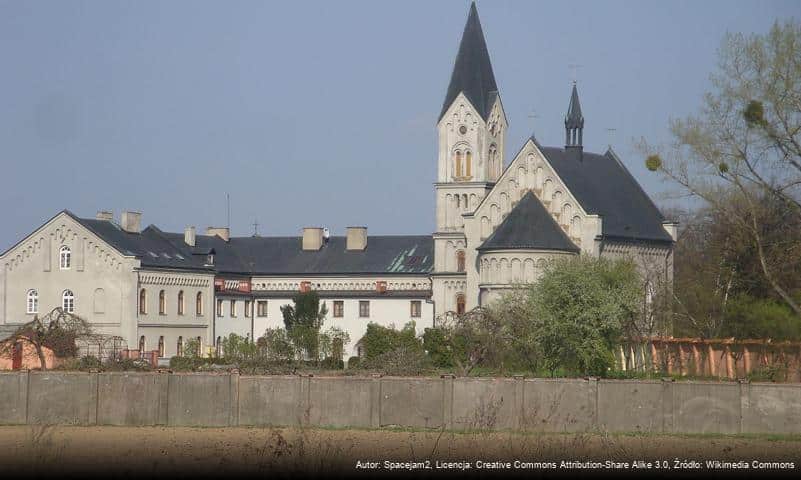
{"x":472,"y":136}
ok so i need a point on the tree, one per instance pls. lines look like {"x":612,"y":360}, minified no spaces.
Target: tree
{"x":379,"y":340}
{"x":56,"y":331}
{"x":573,"y":318}
{"x":303,"y":322}
{"x":471,"y":338}
{"x":741,"y":155}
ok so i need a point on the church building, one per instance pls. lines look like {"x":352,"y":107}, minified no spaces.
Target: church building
{"x":497,"y":226}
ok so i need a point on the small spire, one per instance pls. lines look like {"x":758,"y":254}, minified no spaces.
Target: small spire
{"x":574,"y":121}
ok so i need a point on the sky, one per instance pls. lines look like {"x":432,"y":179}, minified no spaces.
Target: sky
{"x":319,"y":113}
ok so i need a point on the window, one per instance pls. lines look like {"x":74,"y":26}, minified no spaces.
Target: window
{"x":181,"y":302}
{"x":161,"y":346}
{"x":66,"y":257}
{"x":33,"y":301}
{"x":68,"y":301}
{"x":460,"y":261}
{"x":233,"y":308}
{"x":180,"y":347}
{"x":199,"y":304}
{"x":339,"y":308}
{"x":468,"y":157}
{"x":459,"y":304}
{"x":162,"y":303}
{"x":247,"y":308}
{"x":219,"y":308}
{"x":364,"y":308}
{"x":261,"y":308}
{"x":142,"y":302}
{"x":415,"y":308}
{"x":100,"y":301}
{"x":141,"y":345}
{"x":458,"y":164}
{"x":218,"y":347}
{"x":199,"y":352}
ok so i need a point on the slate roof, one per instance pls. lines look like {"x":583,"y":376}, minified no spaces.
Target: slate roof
{"x":472,"y":71}
{"x":385,"y":254}
{"x":604,"y":186}
{"x":529,"y":226}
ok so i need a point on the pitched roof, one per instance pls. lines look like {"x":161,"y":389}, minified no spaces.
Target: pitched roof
{"x":574,"y":118}
{"x":529,"y":226}
{"x":604,"y":186}
{"x":472,"y":71}
{"x":385,"y":254}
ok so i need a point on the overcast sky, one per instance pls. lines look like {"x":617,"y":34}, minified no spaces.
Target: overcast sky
{"x":317,"y":113}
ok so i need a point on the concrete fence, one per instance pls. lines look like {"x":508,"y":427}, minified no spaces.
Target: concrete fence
{"x":561,"y":405}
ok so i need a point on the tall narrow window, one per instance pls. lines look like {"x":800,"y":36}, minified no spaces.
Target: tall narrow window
{"x":468,"y":160}
{"x":162,"y":303}
{"x":261,"y":308}
{"x":219,"y":308}
{"x":460,"y":261}
{"x":65,"y":257}
{"x":199,"y":352}
{"x":181,"y":302}
{"x":364,"y":308}
{"x":161,"y":346}
{"x":68,"y":301}
{"x":247,"y":308}
{"x":457,"y":164}
{"x":199,"y":304}
{"x":142,"y":302}
{"x":415,"y":308}
{"x":33,"y":301}
{"x":339,"y":308}
{"x":180,"y":347}
{"x":218,"y":346}
{"x":459,"y":304}
{"x":233,"y":308}
{"x":141,"y":345}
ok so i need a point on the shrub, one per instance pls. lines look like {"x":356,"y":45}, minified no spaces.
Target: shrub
{"x":126,"y":364}
{"x":379,"y":340}
{"x":88,"y":362}
{"x":354,"y":362}
{"x":331,"y":363}
{"x":748,"y":317}
{"x":402,"y":361}
{"x":436,"y":346}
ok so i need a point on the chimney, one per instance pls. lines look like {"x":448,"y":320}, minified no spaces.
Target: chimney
{"x":130,"y":221}
{"x":356,"y":239}
{"x":105,"y":215}
{"x":222,"y":232}
{"x":189,"y":236}
{"x":312,"y":238}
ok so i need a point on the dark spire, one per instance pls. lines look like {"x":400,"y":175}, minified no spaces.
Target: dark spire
{"x":574,"y":121}
{"x":472,"y":71}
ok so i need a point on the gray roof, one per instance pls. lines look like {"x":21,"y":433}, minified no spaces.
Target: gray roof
{"x":472,"y":71}
{"x":529,"y":226}
{"x":385,"y":254}
{"x":604,"y":186}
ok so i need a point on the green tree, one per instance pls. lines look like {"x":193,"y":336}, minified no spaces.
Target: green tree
{"x":741,"y":154}
{"x":303,"y":321}
{"x":575,"y":315}
{"x":379,"y":340}
{"x":469,"y":339}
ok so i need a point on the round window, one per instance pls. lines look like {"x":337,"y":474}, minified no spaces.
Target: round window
{"x":462,"y":129}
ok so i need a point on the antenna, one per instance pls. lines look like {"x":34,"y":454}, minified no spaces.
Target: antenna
{"x":611,"y":134}
{"x":533,"y":116}
{"x":255,"y":227}
{"x":228,"y":207}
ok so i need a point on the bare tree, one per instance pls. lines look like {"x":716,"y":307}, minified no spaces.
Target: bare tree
{"x":56,"y":331}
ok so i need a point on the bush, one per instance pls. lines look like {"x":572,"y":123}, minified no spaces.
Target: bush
{"x":402,"y":361}
{"x":379,"y":340}
{"x":748,"y":317}
{"x":89,"y":362}
{"x":126,"y":364}
{"x":331,"y":363}
{"x":354,"y":362}
{"x":436,"y":346}
{"x":187,"y":364}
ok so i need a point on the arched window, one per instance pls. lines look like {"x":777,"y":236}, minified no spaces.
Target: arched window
{"x":457,"y":171}
{"x":142,"y":302}
{"x":65,"y":257}
{"x":460,"y":261}
{"x":218,"y":350}
{"x":181,"y":302}
{"x":180,"y":347}
{"x":162,"y":303}
{"x":199,"y":304}
{"x":68,"y":301}
{"x":141,"y":345}
{"x":161,"y":346}
{"x":459,"y":304}
{"x":33,"y":301}
{"x":468,"y":160}
{"x":100,"y":301}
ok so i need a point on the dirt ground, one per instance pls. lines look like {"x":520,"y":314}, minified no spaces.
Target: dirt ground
{"x":129,"y":451}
